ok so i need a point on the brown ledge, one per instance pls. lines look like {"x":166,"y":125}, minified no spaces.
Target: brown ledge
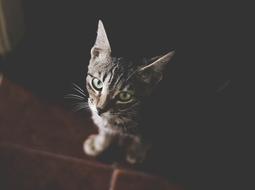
{"x":41,"y":148}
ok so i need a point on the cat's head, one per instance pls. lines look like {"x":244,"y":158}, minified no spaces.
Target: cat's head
{"x":117,"y":86}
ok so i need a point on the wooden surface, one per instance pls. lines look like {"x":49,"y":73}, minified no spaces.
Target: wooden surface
{"x":41,"y":148}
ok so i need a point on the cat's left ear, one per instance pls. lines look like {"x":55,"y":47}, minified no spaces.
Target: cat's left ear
{"x":153,"y":72}
{"x":101,"y":48}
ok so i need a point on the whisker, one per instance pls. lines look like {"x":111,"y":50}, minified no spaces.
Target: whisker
{"x":78,"y":98}
{"x":135,"y":104}
{"x":79,"y":107}
{"x":115,"y":114}
{"x":79,"y":89}
{"x":74,"y":96}
{"x":80,"y":103}
{"x":132,"y":106}
{"x":79,"y":92}
{"x":75,"y":85}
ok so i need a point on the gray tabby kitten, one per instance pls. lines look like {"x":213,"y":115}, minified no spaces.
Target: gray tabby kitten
{"x":117,"y":88}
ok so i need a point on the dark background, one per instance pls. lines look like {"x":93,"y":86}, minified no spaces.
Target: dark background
{"x":59,"y":36}
{"x":202,"y":81}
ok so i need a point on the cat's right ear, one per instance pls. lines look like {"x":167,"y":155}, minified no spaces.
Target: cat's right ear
{"x":153,"y":72}
{"x":101,"y":48}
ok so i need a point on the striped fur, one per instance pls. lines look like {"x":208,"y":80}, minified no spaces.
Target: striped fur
{"x":113,"y":117}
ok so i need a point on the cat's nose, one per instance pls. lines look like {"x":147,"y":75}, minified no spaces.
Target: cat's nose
{"x":100,"y":111}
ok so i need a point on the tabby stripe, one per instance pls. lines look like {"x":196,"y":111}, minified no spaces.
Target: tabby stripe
{"x":118,"y":80}
{"x":112,"y":71}
{"x":90,"y":87}
{"x":90,"y":75}
{"x":104,"y":76}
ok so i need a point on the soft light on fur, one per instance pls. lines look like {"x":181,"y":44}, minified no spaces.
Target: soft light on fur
{"x":117,"y":88}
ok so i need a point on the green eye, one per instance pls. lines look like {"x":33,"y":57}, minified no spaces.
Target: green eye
{"x":97,"y":84}
{"x":125,"y":96}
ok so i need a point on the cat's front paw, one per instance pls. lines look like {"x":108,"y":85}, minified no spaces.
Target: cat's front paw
{"x":135,"y":158}
{"x":93,"y":146}
{"x":136,"y":155}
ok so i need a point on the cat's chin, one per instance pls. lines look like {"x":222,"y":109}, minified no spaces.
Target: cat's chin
{"x":112,"y":130}
{"x":109,"y":116}
{"x":111,"y":123}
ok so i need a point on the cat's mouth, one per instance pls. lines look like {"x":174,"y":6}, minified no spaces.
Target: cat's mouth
{"x":114,"y":118}
{"x":117,"y":123}
{"x":109,"y":115}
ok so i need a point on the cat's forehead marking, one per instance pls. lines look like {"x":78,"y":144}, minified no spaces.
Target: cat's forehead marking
{"x":115,"y":74}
